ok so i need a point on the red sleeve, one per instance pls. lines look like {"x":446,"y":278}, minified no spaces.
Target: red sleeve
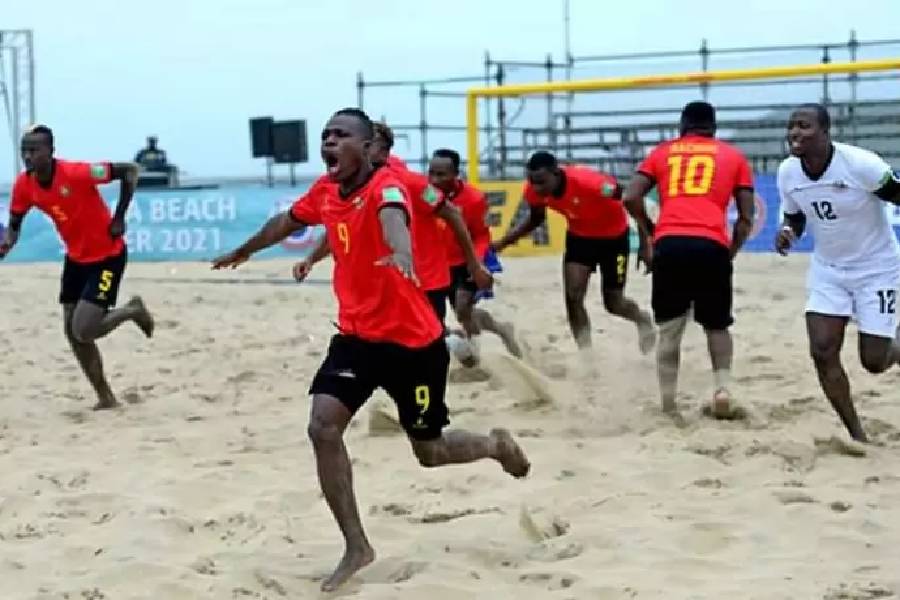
{"x":476,"y":223}
{"x":308,"y":207}
{"x":532,"y":197}
{"x":21,"y":198}
{"x":650,"y":165}
{"x":423,"y":196}
{"x":391,"y":192}
{"x":745,"y":174}
{"x":93,"y":173}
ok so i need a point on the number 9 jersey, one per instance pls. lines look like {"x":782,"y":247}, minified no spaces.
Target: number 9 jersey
{"x":696,"y":177}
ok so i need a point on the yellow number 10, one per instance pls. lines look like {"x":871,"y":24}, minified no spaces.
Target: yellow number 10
{"x":344,"y":235}
{"x":688,"y":178}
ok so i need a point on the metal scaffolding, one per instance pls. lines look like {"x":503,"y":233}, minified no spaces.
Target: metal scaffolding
{"x":17,"y":85}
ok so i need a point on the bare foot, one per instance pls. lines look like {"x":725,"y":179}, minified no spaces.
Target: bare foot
{"x":507,"y":334}
{"x":721,"y":405}
{"x":673,"y":413}
{"x":509,"y":454}
{"x":646,"y":336}
{"x":106,"y":404}
{"x":353,"y":561}
{"x":143,"y":319}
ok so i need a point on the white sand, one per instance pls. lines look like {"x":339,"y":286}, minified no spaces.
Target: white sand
{"x":204,"y":486}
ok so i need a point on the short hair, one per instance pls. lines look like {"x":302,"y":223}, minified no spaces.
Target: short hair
{"x":447,"y":153}
{"x":541,"y":160}
{"x":822,"y":115}
{"x":381,"y":129}
{"x":698,"y":115}
{"x":38,"y":128}
{"x":368,"y":127}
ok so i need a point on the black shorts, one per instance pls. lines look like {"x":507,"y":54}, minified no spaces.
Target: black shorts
{"x":609,"y":254}
{"x":460,"y":279}
{"x":438,"y":300}
{"x":415,"y":378}
{"x":96,"y":282}
{"x":692,"y":271}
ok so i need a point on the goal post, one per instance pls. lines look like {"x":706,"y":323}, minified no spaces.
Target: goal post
{"x":473,"y":95}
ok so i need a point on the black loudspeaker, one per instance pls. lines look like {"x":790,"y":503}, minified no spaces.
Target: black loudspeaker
{"x":289,"y":142}
{"x":261,"y":136}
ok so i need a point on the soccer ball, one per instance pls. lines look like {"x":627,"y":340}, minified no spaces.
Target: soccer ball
{"x":463,"y":349}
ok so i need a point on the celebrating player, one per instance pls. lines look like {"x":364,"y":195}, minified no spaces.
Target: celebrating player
{"x":855,"y":268}
{"x":95,"y":249}
{"x":389,"y":336}
{"x":431,"y":210}
{"x":443,"y":172}
{"x":690,"y":254}
{"x":597,"y":236}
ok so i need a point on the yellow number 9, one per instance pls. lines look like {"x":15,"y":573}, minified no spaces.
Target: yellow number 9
{"x":106,"y":279}
{"x":344,"y":236}
{"x":423,"y":398}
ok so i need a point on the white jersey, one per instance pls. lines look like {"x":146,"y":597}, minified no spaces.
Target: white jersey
{"x":849,"y":222}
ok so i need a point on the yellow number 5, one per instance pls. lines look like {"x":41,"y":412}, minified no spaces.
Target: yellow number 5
{"x":106,"y":280}
{"x":688,"y":178}
{"x":344,"y":236}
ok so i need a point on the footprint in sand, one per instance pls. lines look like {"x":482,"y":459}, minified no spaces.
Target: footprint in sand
{"x":858,"y":592}
{"x":549,"y":581}
{"x":840,"y":446}
{"x":542,"y":527}
{"x":840,"y":507}
{"x":794,"y":497}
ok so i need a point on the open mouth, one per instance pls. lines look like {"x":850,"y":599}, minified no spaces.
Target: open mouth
{"x":332,"y":166}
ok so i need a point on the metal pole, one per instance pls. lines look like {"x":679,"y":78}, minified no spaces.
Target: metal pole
{"x":360,"y":87}
{"x":551,"y":134}
{"x":488,"y":117}
{"x":423,"y":122}
{"x":853,"y":46}
{"x":16,"y":104}
{"x":826,"y":58}
{"x":570,"y":63}
{"x":501,"y":124}
{"x":704,"y":62}
{"x":29,"y":37}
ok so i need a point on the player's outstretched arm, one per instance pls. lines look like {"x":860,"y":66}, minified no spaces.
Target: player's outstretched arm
{"x":12,"y":234}
{"x":744,"y":223}
{"x":452,"y":216}
{"x":276,"y":229}
{"x":395,"y":230}
{"x":303,"y":268}
{"x":127,"y":174}
{"x":792,"y":229}
{"x":536,"y":216}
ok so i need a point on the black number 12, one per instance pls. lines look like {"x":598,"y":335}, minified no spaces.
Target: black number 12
{"x":824,"y":210}
{"x":887,"y":299}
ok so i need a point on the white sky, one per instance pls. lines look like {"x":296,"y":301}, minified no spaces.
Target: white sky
{"x":193,"y":71}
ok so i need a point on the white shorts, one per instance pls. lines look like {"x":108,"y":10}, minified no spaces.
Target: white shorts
{"x":867,"y":296}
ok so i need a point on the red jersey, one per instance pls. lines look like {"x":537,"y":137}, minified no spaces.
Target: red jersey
{"x":697,"y":177}
{"x":395,"y":162}
{"x":429,"y":253}
{"x":590,"y":202}
{"x":375,"y":303}
{"x":474,"y":207}
{"x":74,"y":205}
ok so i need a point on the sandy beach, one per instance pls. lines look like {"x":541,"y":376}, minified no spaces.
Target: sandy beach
{"x":203,"y":485}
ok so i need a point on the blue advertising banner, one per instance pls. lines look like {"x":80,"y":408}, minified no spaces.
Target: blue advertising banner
{"x":177,"y":225}
{"x":197,"y":225}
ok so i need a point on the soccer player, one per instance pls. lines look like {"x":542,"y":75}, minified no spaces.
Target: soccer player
{"x":855,"y":267}
{"x":433,"y":214}
{"x":95,"y":249}
{"x":597,"y":237}
{"x":690,"y":255}
{"x":443,"y":173}
{"x":388,"y":337}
